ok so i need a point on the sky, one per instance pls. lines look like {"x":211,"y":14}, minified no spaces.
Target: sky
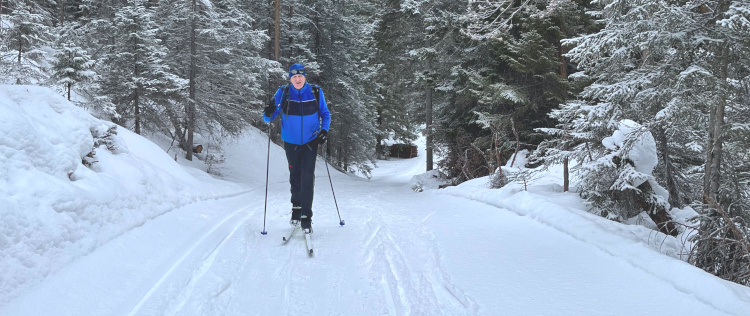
{"x":144,"y":232}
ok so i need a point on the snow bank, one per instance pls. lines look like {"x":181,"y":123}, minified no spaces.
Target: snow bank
{"x":428,"y":180}
{"x":55,"y":209}
{"x":545,"y":202}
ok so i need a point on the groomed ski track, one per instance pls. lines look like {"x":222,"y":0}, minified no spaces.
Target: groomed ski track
{"x":400,"y":253}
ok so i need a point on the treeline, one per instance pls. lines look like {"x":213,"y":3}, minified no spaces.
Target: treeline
{"x":579,"y":83}
{"x":193,"y":68}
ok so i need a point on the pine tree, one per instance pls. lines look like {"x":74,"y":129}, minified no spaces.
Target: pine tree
{"x":338,"y":39}
{"x":219,"y":40}
{"x":518,"y":74}
{"x":28,"y":32}
{"x":73,"y":67}
{"x":670,"y":67}
{"x":722,"y":246}
{"x":138,"y":79}
{"x":393,"y":71}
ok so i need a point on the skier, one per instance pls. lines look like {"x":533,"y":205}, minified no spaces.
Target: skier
{"x":305,"y":121}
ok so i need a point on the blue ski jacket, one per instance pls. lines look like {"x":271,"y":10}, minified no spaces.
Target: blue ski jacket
{"x":301,"y":118}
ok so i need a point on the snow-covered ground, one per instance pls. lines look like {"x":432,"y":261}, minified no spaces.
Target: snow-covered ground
{"x":141,"y":234}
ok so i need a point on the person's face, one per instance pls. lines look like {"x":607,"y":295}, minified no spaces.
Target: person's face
{"x":298,"y":81}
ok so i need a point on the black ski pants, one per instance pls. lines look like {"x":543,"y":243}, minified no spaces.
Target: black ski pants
{"x":301,"y":160}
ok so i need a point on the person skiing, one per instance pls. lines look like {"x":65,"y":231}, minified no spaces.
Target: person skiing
{"x":305,"y":121}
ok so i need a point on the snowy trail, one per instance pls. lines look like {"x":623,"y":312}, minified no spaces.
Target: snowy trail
{"x":400,"y":253}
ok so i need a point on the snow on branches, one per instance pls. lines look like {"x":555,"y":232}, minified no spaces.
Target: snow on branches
{"x":619,"y":185}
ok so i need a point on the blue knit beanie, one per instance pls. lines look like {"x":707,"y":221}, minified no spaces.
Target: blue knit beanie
{"x":297,"y":69}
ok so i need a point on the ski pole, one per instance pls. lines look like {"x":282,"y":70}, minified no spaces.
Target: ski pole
{"x":325,"y":157}
{"x":268,"y":163}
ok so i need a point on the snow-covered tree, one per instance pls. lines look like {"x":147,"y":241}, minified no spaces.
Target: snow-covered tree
{"x":215,"y":50}
{"x":521,"y":72}
{"x":621,"y":184}
{"x":338,"y":35}
{"x":73,"y":67}
{"x":138,"y":79}
{"x":27,"y":32}
{"x":671,"y":67}
{"x":392,"y":69}
{"x":722,"y":246}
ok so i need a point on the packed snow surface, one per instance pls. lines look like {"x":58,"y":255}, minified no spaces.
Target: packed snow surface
{"x":139,"y":233}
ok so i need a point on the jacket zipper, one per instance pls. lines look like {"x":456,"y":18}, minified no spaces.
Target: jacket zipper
{"x":301,"y":121}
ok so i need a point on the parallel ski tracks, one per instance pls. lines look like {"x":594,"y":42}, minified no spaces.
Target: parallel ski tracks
{"x":401,"y":282}
{"x":206,"y":264}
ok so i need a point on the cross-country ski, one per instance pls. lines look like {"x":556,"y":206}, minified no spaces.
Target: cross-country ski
{"x":286,"y":239}
{"x":309,"y":244}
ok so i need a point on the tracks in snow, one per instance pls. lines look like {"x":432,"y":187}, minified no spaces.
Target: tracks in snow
{"x":399,"y":270}
{"x":195,"y":258}
{"x":403,"y":259}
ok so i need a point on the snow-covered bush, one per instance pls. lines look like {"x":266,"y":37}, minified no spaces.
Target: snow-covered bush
{"x":103,"y":136}
{"x":619,"y":185}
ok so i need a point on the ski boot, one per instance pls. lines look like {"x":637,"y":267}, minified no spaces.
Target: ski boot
{"x":296,"y":213}
{"x":306,"y":224}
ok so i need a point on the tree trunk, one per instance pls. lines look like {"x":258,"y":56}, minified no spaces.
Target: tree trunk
{"x":379,"y":137}
{"x":564,"y":75}
{"x":428,"y":117}
{"x":715,"y":145}
{"x":496,"y":136}
{"x":277,"y":30}
{"x":566,"y":170}
{"x":674,"y":194}
{"x":715,"y":141}
{"x":136,"y":94}
{"x":70,"y":57}
{"x":62,"y":12}
{"x":518,"y":143}
{"x":656,"y":211}
{"x":428,"y":120}
{"x":20,"y":46}
{"x":191,"y":100}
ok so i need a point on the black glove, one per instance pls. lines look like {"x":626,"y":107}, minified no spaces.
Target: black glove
{"x":268,"y":111}
{"x":322,"y":137}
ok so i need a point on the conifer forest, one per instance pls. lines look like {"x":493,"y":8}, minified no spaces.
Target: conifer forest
{"x":480,"y":80}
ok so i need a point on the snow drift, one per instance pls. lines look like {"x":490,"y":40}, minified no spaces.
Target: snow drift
{"x":55,"y":209}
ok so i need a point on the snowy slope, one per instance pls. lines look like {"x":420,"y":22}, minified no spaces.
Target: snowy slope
{"x":191,"y":244}
{"x":54,"y":209}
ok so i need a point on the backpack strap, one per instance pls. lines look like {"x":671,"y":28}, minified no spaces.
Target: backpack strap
{"x":284,"y":95}
{"x":316,"y":92}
